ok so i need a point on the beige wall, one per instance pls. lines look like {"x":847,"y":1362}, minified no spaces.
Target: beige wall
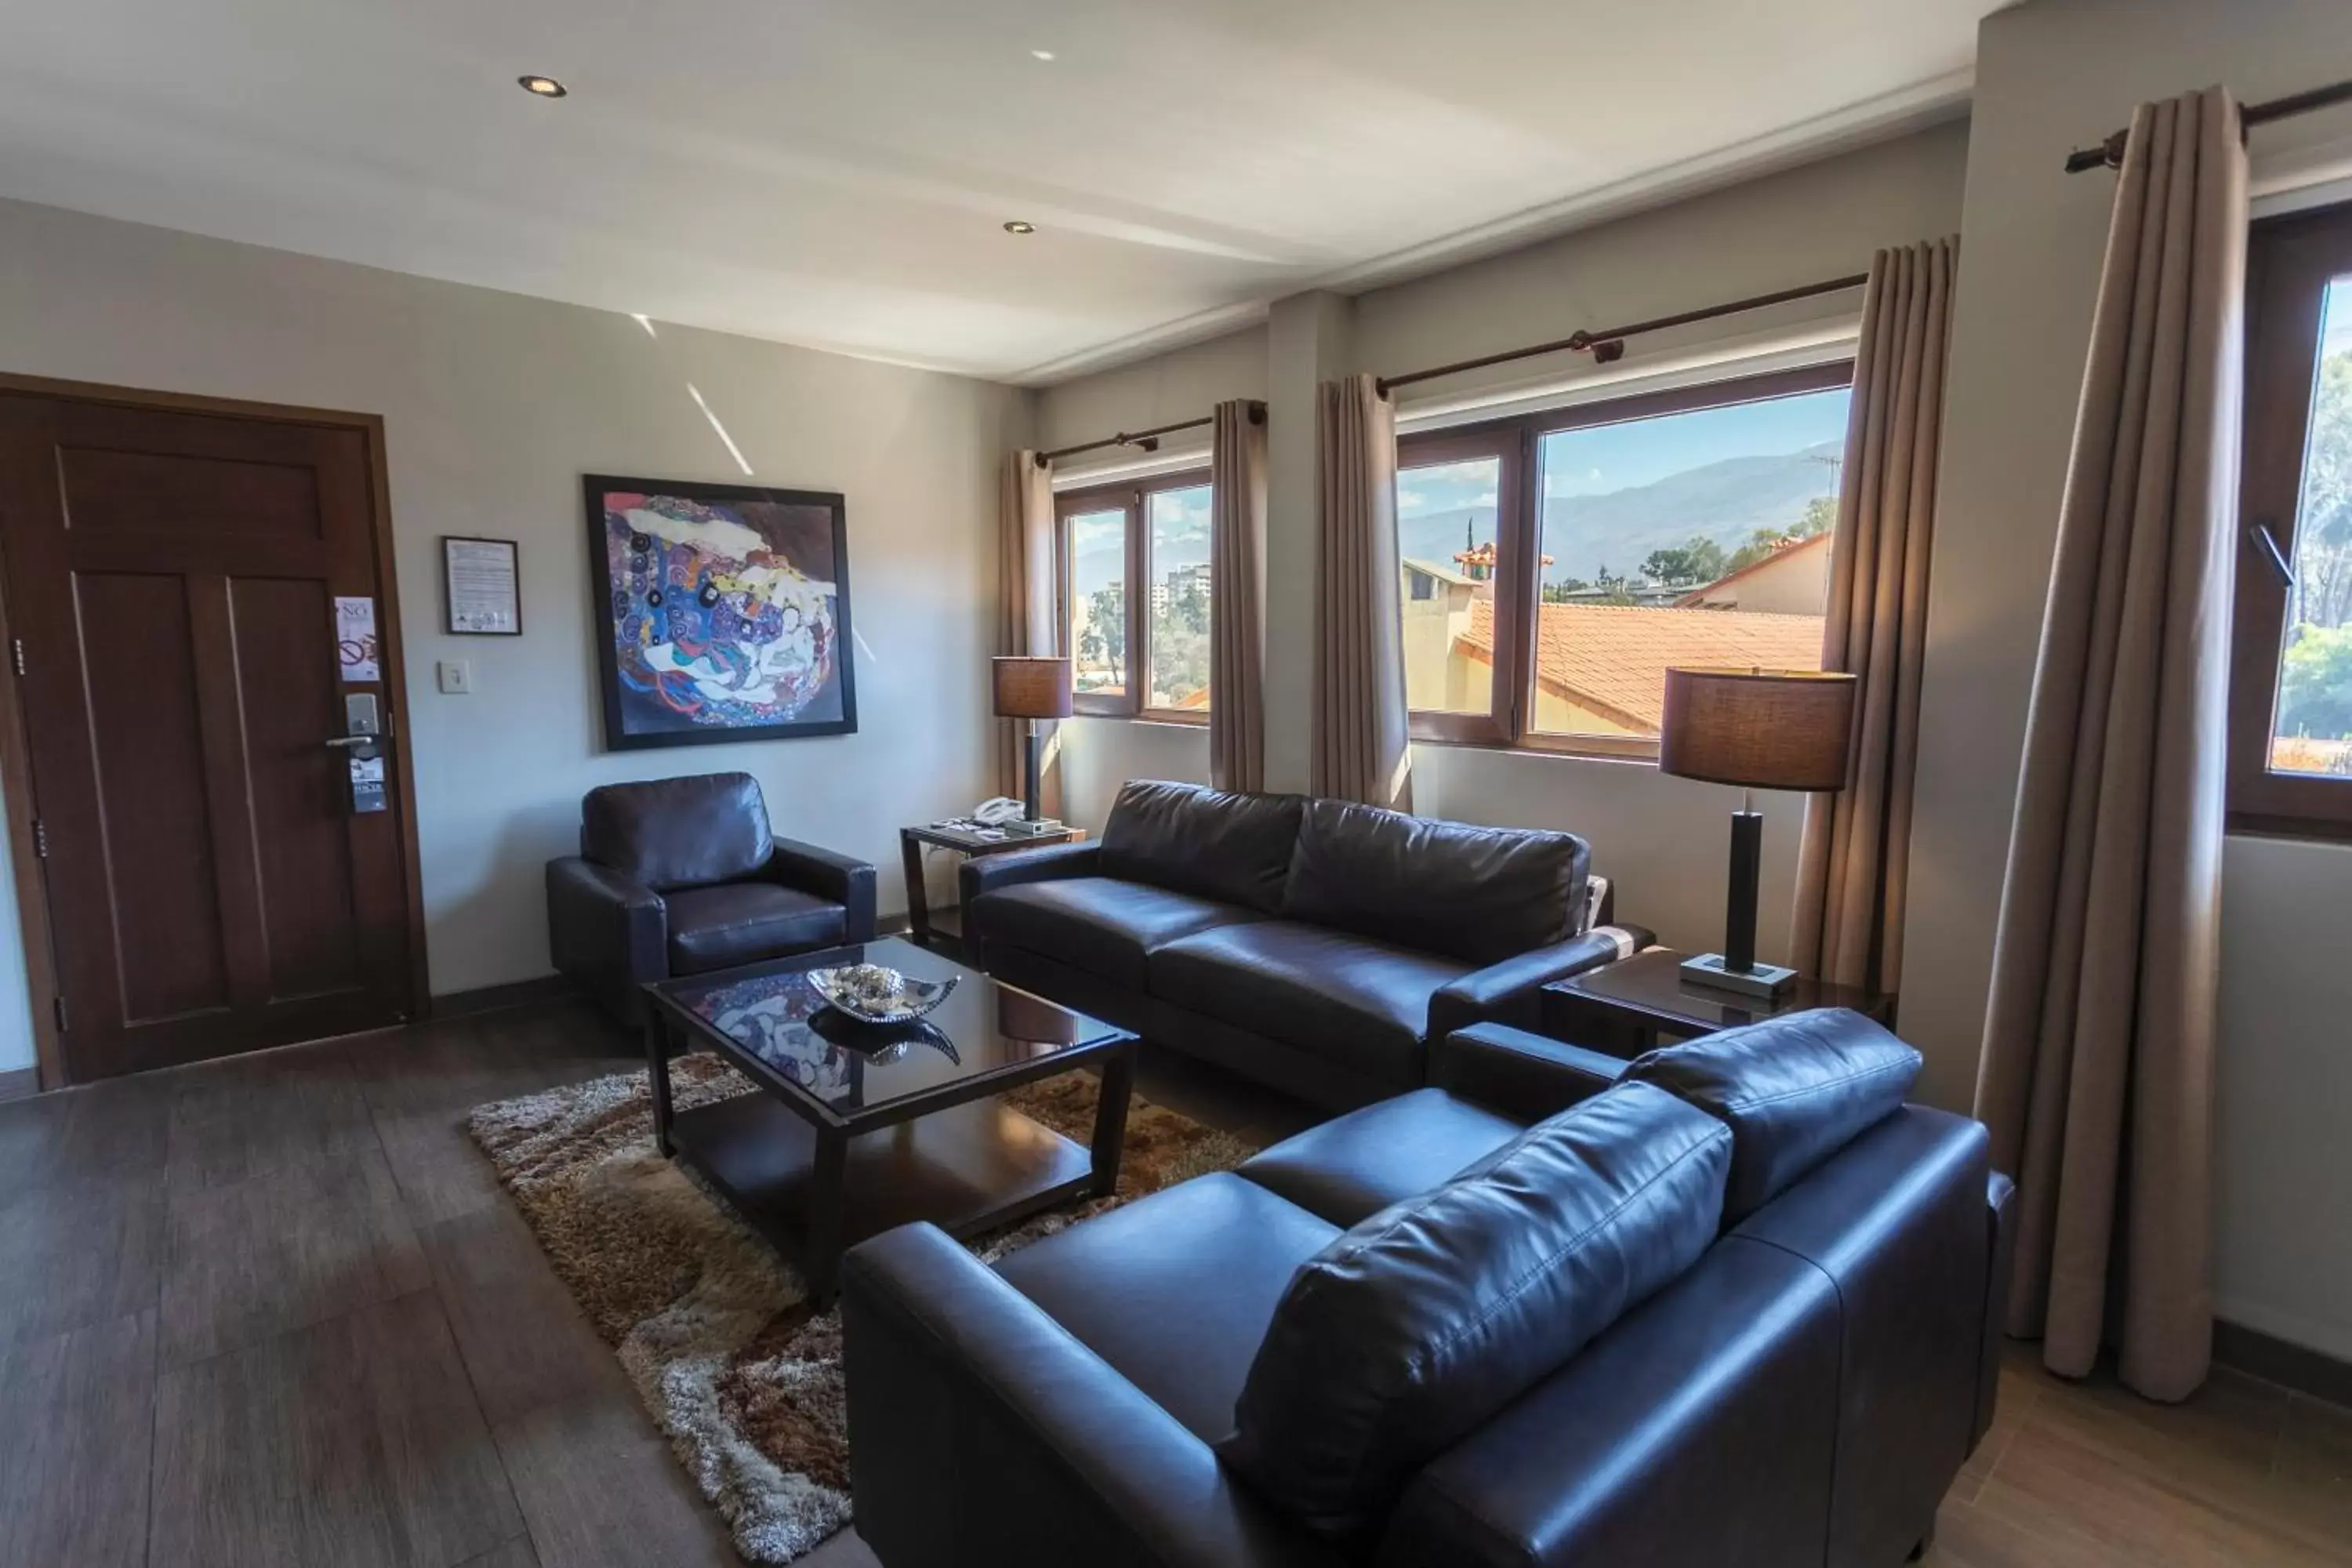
{"x":494,"y":405}
{"x":1666,"y":842}
{"x":2051,"y":76}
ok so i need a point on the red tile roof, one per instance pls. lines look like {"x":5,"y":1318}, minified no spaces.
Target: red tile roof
{"x":1613,"y":658}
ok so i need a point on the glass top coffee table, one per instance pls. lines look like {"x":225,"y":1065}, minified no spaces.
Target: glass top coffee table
{"x":858,"y":1128}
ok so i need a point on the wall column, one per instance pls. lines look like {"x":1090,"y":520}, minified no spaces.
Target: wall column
{"x":1308,"y":342}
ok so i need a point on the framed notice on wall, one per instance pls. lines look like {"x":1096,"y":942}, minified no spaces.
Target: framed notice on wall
{"x":481,"y":584}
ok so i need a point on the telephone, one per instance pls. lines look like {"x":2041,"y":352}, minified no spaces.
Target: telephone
{"x":998,"y":810}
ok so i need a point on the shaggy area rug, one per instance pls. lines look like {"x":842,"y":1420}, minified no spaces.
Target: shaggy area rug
{"x":712,"y":1326}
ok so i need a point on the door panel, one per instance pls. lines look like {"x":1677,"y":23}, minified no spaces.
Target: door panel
{"x":285,"y":656}
{"x":136,"y":649}
{"x":172,"y":576}
{"x":129,"y":492}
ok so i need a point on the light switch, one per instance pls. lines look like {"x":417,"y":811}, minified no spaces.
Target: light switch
{"x":456,"y":677}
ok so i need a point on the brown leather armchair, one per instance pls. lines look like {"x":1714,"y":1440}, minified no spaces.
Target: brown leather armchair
{"x":681,"y":876}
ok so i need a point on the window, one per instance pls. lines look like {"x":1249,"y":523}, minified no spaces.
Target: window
{"x":1557,"y":565}
{"x":2291,"y":675}
{"x":1135,"y":603}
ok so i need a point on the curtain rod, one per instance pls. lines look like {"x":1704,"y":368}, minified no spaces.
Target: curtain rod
{"x":2109,"y":153}
{"x":1607,"y":346}
{"x":1147,"y":439}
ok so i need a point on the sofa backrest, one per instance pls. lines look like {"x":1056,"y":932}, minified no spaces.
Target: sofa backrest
{"x":1794,"y":1090}
{"x":1213,"y":844}
{"x":1478,"y":894}
{"x":679,"y":833}
{"x":1430,"y":1317}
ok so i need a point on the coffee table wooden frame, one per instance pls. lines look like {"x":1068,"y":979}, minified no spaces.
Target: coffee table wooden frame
{"x":815,"y":1180}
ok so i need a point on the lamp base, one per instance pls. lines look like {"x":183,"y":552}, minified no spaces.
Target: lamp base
{"x":1025,"y":826}
{"x":1763,"y":980}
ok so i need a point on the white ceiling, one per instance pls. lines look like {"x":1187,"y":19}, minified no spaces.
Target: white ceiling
{"x":835,"y":173}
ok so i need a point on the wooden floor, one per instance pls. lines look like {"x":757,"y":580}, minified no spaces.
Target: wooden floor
{"x":275,"y":1314}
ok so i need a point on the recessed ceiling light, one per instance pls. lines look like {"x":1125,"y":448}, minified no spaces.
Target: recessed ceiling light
{"x":1019,"y":226}
{"x":1041,"y":54}
{"x":543,"y":86}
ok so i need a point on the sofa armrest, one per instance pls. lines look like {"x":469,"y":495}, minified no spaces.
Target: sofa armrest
{"x":1010,"y":869}
{"x":606,"y":930}
{"x":1509,"y":992}
{"x":846,"y":879}
{"x":982,"y":1431}
{"x":1515,"y":1074}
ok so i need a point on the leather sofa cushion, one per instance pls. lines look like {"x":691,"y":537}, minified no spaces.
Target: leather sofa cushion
{"x":1350,"y":1168}
{"x":1479,"y":894}
{"x":1419,"y":1324}
{"x":1214,"y":844}
{"x":1794,"y":1090}
{"x":743,"y":922}
{"x":1103,"y":925}
{"x":1338,"y":995}
{"x":1175,"y":1290}
{"x":678,"y":833}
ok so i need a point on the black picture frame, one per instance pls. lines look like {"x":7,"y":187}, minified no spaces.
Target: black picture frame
{"x":645,"y":706}
{"x":448,"y":592}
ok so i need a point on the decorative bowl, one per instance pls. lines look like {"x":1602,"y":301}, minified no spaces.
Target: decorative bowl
{"x":872,"y":994}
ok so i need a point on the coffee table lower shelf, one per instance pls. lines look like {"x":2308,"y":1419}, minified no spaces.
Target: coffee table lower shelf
{"x":966,"y":1168}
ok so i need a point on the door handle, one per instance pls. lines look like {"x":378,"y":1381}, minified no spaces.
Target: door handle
{"x":2262,"y":535}
{"x":358,"y":740}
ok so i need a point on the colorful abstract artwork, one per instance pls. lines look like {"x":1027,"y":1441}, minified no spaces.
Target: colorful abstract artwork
{"x":722,"y":612}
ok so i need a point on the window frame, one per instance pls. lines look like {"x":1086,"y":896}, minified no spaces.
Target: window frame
{"x":2290,"y":262}
{"x":1518,"y":536}
{"x":1131,"y":497}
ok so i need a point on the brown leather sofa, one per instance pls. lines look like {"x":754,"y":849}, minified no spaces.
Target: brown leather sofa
{"x":1728,"y":1303}
{"x":1316,"y":946}
{"x":683,"y":876}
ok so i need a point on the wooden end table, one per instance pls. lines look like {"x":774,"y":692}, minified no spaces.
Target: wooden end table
{"x":1624,"y":1007}
{"x":857,"y":1127}
{"x":939,"y":929}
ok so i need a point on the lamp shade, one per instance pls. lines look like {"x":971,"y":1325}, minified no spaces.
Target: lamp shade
{"x":1032,"y":688}
{"x":1760,"y":728}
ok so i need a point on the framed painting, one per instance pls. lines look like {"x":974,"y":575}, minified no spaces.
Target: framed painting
{"x":721,"y":612}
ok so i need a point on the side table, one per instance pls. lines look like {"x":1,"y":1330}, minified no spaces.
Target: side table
{"x":1624,"y":1007}
{"x":929,"y":930}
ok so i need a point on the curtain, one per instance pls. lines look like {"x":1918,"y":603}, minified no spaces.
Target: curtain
{"x":2098,"y":1071}
{"x":1361,"y":747}
{"x":1029,"y":618}
{"x":1856,"y":856}
{"x":1236,"y":612}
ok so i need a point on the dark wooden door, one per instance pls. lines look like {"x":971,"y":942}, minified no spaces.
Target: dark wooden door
{"x":171,"y":579}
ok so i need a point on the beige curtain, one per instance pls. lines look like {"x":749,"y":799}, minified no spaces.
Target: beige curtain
{"x":1029,"y":618}
{"x":1361,"y":738}
{"x":2096,"y":1077}
{"x":1856,"y":857}
{"x":1237,"y":607}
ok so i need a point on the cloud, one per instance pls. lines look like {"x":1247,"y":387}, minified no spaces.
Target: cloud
{"x":1409,"y":500}
{"x":1485,"y":498}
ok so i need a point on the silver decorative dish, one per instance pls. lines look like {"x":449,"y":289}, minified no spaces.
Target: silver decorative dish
{"x":872,"y":994}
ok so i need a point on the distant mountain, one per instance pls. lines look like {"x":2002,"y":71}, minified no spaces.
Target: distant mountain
{"x":1726,"y":501}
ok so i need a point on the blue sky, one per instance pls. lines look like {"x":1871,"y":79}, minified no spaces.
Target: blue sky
{"x":1178,"y":521}
{"x":1606,"y":458}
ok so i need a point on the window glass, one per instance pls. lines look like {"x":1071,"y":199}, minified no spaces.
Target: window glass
{"x":1699,"y":538}
{"x":1098,"y":601}
{"x":2311,"y":727}
{"x":1178,"y":646}
{"x":1447,"y":530}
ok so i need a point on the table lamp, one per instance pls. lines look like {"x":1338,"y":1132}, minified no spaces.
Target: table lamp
{"x":1759,"y":729}
{"x":1032,"y":689}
